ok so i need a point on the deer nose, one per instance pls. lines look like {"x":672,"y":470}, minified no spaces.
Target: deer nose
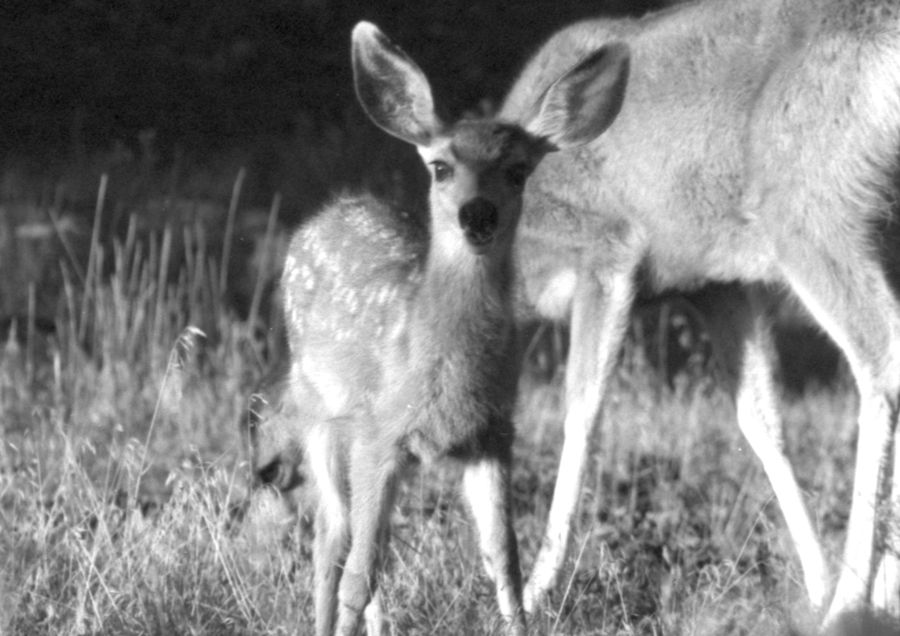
{"x":479,"y":219}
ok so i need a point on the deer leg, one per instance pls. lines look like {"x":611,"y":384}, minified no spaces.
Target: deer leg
{"x":886,"y":587}
{"x":330,"y":550}
{"x":486,"y":486}
{"x":599,"y":316}
{"x":376,"y":621}
{"x":376,"y":618}
{"x":373,"y":473}
{"x":741,"y":335}
{"x":331,"y":528}
{"x":847,"y":293}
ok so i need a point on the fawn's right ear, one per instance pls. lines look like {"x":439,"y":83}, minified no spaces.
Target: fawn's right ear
{"x":392,"y":89}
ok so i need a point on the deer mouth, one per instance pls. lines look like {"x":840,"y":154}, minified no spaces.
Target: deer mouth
{"x":479,"y":220}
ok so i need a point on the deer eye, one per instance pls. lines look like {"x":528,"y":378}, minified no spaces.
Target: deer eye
{"x":442,"y":170}
{"x":517,"y":174}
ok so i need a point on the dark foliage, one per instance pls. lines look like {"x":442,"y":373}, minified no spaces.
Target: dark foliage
{"x":81,"y":73}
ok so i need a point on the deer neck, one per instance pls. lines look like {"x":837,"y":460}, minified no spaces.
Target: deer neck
{"x":459,"y":378}
{"x":461,"y":290}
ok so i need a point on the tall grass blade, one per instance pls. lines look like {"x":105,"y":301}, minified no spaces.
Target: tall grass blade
{"x":263,"y":272}
{"x":229,"y":230}
{"x":92,"y":256}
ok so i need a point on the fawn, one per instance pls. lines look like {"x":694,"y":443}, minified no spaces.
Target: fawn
{"x":401,"y":337}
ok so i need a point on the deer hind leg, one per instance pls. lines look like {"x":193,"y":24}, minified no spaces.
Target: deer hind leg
{"x":330,"y":550}
{"x":599,"y":317}
{"x":846,"y":291}
{"x":740,"y":330}
{"x":375,"y":614}
{"x":886,"y":587}
{"x":486,"y":486}
{"x":376,"y":618}
{"x":373,"y":476}
{"x":332,"y":534}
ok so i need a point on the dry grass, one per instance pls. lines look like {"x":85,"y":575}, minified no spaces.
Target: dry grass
{"x":122,"y":468}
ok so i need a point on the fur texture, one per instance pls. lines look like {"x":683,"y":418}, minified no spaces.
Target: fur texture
{"x":757,"y":143}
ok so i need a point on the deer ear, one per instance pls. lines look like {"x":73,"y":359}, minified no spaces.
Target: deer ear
{"x":582,"y":103}
{"x":392,"y":89}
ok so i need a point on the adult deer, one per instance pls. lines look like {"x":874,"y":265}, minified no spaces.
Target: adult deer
{"x":402,"y":342}
{"x":757,"y":143}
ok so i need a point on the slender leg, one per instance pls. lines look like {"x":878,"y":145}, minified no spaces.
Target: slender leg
{"x":486,"y":485}
{"x":599,"y":316}
{"x":332,"y":533}
{"x":372,"y":485}
{"x":376,"y":617}
{"x":886,"y":587}
{"x":376,"y":621}
{"x":330,"y":550}
{"x":848,"y":295}
{"x":741,"y":334}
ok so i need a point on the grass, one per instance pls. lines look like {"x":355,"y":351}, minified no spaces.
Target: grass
{"x":122,"y":469}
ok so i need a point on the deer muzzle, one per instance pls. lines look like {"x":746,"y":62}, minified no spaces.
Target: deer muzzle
{"x":479,"y":220}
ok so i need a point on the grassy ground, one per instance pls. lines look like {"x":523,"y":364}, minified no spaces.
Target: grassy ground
{"x":122,"y":466}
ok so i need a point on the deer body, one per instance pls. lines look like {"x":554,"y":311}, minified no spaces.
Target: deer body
{"x":757,"y":143}
{"x":404,"y":359}
{"x":429,"y":342}
{"x":712,"y":133}
{"x":402,"y":340}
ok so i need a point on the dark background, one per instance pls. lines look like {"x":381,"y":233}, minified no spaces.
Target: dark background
{"x":189,"y":91}
{"x":172,"y":99}
{"x":212,"y":72}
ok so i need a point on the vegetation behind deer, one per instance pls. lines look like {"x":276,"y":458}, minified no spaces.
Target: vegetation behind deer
{"x":124,"y":477}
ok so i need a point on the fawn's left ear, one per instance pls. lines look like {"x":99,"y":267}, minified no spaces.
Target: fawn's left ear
{"x":584,"y":101}
{"x":392,"y":89}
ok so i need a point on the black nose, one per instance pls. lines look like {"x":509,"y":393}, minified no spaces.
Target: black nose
{"x":479,"y":219}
